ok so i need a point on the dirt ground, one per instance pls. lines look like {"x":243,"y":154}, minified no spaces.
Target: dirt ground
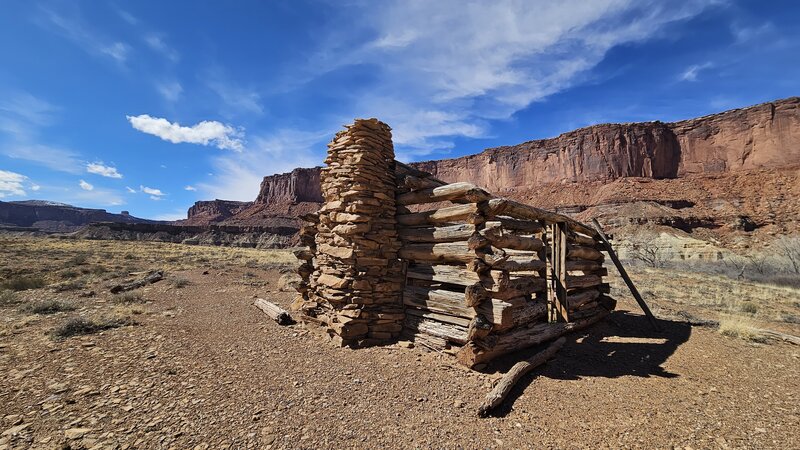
{"x":202,"y":368}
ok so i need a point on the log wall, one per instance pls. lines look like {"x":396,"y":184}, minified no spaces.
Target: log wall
{"x":397,"y":253}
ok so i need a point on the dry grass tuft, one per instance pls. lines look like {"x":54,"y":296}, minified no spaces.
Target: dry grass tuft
{"x":23,"y":283}
{"x":129,"y":297}
{"x":740,"y":327}
{"x":45,"y":307}
{"x":80,"y":325}
{"x":8,"y":298}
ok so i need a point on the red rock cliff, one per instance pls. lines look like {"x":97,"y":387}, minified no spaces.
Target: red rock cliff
{"x":297,"y":186}
{"x":762,"y":136}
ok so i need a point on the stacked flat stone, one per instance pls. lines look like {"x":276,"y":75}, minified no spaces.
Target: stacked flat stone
{"x":357,"y":280}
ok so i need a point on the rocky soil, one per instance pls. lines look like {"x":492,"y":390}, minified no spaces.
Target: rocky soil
{"x":203,"y":368}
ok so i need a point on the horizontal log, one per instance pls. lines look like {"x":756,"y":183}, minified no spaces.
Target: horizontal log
{"x":448,"y":331}
{"x":579,"y":239}
{"x":521,"y":286}
{"x":471,"y":354}
{"x":583,"y":281}
{"x":448,"y":192}
{"x":448,"y":252}
{"x":451,"y":233}
{"x":514,"y":263}
{"x":583,"y":265}
{"x":526,"y":226}
{"x":580,"y":252}
{"x":449,"y":302}
{"x":460,"y":321}
{"x":503,"y":239}
{"x":505,"y":207}
{"x":578,"y":299}
{"x":468,"y":212}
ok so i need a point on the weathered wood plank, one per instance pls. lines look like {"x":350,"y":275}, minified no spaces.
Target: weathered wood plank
{"x":450,"y":233}
{"x":468,"y":212}
{"x":505,"y":207}
{"x":448,"y":192}
{"x":449,"y":302}
{"x":471,"y":354}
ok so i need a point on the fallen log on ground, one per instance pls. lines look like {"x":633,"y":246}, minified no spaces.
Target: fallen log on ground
{"x":151,"y":278}
{"x":504,"y":386}
{"x":275,"y":312}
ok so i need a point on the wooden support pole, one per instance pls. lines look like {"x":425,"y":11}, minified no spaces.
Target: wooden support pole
{"x":557,"y":292}
{"x":504,"y":386}
{"x":624,"y":274}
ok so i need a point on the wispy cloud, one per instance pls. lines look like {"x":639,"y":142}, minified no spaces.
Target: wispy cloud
{"x":11,"y":184}
{"x":190,"y":188}
{"x":85,"y":186}
{"x":72,"y":27}
{"x":237,"y":100}
{"x":157,"y":42}
{"x":691,"y":72}
{"x":101,"y":169}
{"x":130,"y":190}
{"x":207,"y":132}
{"x":460,"y":64}
{"x":170,"y":90}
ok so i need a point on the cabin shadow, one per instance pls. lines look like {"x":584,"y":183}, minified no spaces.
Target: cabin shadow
{"x":622,"y":345}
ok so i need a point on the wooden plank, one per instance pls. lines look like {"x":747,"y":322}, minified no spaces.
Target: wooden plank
{"x":460,"y":321}
{"x":503,"y":388}
{"x":504,"y":239}
{"x":444,"y":330}
{"x":450,"y":233}
{"x":557,"y":288}
{"x":625,"y":277}
{"x":580,"y":252}
{"x":448,"y":192}
{"x":512,"y":263}
{"x":525,"y":226}
{"x":472,"y":354}
{"x":468,"y":212}
{"x":505,"y":207}
{"x":449,"y":252}
{"x":449,"y":302}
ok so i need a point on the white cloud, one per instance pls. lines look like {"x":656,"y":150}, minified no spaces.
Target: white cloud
{"x":190,"y":188}
{"x":100,"y":169}
{"x":85,"y":186}
{"x":75,"y":29}
{"x":130,"y":190}
{"x":444,"y":68}
{"x":152,"y":191}
{"x":11,"y":184}
{"x":207,"y":132}
{"x":156,"y":42}
{"x":170,"y":90}
{"x":691,"y":72}
{"x":35,"y":187}
{"x":238,"y":176}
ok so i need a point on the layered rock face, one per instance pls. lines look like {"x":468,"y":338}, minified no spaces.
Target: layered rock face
{"x":210,"y":211}
{"x":299,"y":185}
{"x":52,"y":217}
{"x":761,"y":136}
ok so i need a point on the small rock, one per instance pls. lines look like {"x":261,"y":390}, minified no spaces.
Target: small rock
{"x":76,"y":433}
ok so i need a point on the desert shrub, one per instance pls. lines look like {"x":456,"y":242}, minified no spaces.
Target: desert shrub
{"x":80,"y":325}
{"x":8,"y":297}
{"x":77,"y":260}
{"x":129,"y":297}
{"x":748,"y":307}
{"x":23,"y":283}
{"x":251,"y":264}
{"x":69,"y":286}
{"x":785,"y":280}
{"x":99,"y":270}
{"x":741,"y":328}
{"x":180,"y":282}
{"x":46,"y":307}
{"x":69,"y":273}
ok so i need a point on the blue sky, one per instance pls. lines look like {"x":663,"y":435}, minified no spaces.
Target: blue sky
{"x":148,"y":106}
